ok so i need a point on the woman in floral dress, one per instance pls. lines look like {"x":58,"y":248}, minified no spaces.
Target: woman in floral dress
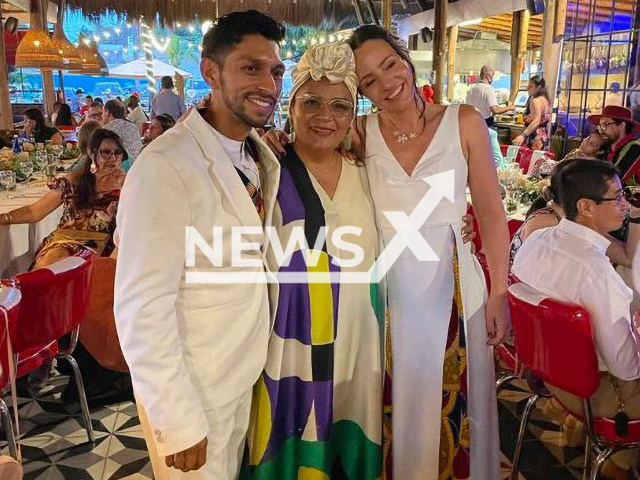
{"x":89,"y":201}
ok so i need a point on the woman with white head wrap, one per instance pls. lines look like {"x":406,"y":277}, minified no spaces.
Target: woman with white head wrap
{"x":317,"y":406}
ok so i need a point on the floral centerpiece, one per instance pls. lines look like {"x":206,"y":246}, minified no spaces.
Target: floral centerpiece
{"x":518,"y":189}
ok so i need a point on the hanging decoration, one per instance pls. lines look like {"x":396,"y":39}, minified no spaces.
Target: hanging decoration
{"x":71,"y":60}
{"x":36,"y":49}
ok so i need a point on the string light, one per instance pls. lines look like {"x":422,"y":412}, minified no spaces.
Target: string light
{"x":191,"y":29}
{"x":106,"y":35}
{"x":96,"y":38}
{"x":332,"y":38}
{"x":200,"y":47}
{"x":322,"y":40}
{"x":117,"y":30}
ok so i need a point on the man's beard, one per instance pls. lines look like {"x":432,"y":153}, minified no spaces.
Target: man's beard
{"x":238,"y":109}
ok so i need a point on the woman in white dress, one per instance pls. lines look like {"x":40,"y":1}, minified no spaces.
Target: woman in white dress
{"x":442,"y":412}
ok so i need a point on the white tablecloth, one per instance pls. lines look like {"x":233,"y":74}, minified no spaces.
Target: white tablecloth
{"x":18,"y":243}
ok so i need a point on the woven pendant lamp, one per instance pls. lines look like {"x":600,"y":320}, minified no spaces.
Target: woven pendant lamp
{"x":90,"y":63}
{"x":104,"y":68}
{"x":70,"y":57}
{"x":36,"y":49}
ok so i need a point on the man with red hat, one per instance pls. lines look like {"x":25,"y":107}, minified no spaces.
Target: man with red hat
{"x":620,"y":131}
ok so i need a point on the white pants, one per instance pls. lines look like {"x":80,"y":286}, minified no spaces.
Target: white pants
{"x":227,"y":431}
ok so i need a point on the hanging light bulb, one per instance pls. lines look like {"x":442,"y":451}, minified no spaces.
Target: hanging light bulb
{"x":191,"y":28}
{"x":332,"y":38}
{"x":117,"y":30}
{"x":106,"y":35}
{"x":96,"y":38}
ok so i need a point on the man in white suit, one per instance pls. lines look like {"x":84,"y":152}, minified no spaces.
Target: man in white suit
{"x":195,"y":350}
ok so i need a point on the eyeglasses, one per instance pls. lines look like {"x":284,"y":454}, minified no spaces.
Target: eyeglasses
{"x":107,"y":153}
{"x":603,"y":126}
{"x":626,"y":193}
{"x":339,"y":107}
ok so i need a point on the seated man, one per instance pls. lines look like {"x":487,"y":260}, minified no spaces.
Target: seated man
{"x":568,"y":262}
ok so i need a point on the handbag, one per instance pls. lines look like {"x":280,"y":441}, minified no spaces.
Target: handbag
{"x":96,"y":241}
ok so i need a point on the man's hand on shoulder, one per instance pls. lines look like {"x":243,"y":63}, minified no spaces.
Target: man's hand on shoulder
{"x":192,"y":458}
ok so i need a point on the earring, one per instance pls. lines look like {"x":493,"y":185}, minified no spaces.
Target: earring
{"x":93,"y":168}
{"x":346,"y":142}
{"x":292,"y":133}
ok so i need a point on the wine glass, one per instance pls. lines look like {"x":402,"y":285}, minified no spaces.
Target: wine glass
{"x":57,"y":150}
{"x":8,"y":182}
{"x":26,"y":168}
{"x":51,"y":166}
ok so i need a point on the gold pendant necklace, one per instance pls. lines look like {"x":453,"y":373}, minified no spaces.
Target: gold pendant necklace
{"x":404,"y":137}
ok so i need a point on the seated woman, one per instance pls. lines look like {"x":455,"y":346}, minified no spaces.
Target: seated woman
{"x":35,"y":126}
{"x":84,"y":136}
{"x":65,"y":119}
{"x":159,"y":125}
{"x":89,"y":204}
{"x":547,"y":211}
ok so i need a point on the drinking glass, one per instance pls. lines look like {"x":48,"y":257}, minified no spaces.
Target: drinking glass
{"x":26,"y":168}
{"x":8,"y":182}
{"x":57,"y":150}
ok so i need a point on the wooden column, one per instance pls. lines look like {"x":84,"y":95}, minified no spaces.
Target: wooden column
{"x":439,"y":48}
{"x":451,"y":63}
{"x":519,"y":42}
{"x":387,"y":12}
{"x":560,"y":20}
{"x":180,"y":84}
{"x":48,"y":91}
{"x":551,"y":51}
{"x":6,"y":118}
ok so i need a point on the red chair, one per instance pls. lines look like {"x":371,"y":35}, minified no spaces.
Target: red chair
{"x":513,"y":225}
{"x":9,"y":307}
{"x":554,"y":341}
{"x":54,"y":303}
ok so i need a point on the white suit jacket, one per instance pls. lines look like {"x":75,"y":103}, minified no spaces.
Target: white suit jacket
{"x":190,"y":347}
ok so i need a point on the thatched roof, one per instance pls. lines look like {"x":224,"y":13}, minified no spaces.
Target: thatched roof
{"x":334,"y":14}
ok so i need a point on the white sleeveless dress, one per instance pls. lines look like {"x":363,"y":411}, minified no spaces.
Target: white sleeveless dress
{"x":420,"y":295}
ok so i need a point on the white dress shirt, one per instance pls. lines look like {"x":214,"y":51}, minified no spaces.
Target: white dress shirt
{"x":569,"y":263}
{"x":483,"y":97}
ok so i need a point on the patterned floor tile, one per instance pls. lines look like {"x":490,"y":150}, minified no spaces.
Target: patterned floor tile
{"x":55,"y":443}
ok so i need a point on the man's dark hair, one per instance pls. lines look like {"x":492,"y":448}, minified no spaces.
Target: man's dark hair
{"x":584,"y":179}
{"x":232,"y":28}
{"x":99,"y":100}
{"x":628,"y":126}
{"x":166,"y":121}
{"x":116,"y":108}
{"x":167,"y":82}
{"x":89,"y":97}
{"x":95,"y":104}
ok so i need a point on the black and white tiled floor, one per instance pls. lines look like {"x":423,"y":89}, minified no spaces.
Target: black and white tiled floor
{"x":54,"y":443}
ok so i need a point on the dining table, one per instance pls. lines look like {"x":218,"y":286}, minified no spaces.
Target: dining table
{"x":19,"y":242}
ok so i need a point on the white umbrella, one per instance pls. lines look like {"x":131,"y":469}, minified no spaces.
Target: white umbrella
{"x":138,"y":69}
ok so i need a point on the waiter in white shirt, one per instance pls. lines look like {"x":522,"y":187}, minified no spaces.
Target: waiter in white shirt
{"x":569,"y":263}
{"x":483,"y":97}
{"x":195,"y":349}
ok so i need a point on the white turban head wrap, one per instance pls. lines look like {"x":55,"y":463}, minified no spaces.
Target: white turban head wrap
{"x":333,"y":61}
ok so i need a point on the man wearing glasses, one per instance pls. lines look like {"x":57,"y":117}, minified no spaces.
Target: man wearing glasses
{"x":620,"y":132}
{"x":568,"y":263}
